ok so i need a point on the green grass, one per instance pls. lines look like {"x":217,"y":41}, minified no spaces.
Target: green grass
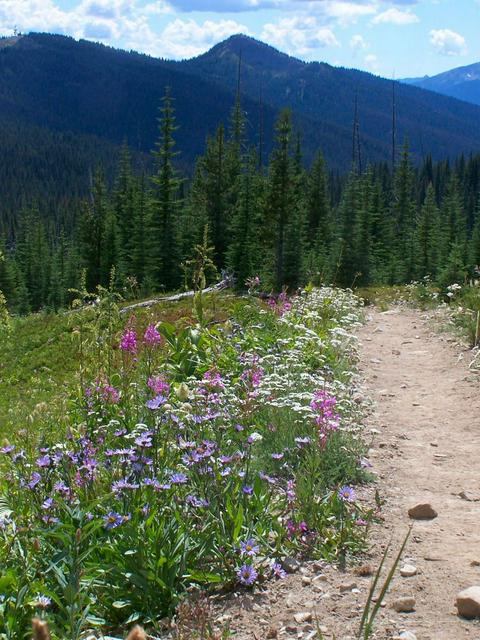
{"x":39,"y":357}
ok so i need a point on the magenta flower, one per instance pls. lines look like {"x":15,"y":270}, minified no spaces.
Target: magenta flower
{"x":128,"y":342}
{"x":151,"y":337}
{"x":158,"y":385}
{"x":278,"y":571}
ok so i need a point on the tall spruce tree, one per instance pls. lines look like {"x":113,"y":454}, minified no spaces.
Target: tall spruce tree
{"x":427,"y":236}
{"x":164,"y":203}
{"x":279,"y":205}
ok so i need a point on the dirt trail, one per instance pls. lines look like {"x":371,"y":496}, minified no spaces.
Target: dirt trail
{"x":426,"y":448}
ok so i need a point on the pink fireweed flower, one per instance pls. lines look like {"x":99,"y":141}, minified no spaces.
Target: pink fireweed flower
{"x":151,"y":337}
{"x":158,"y":385}
{"x":326,"y":419}
{"x":128,"y":342}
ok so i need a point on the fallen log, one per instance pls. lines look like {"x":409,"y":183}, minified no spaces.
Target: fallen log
{"x":224,"y":284}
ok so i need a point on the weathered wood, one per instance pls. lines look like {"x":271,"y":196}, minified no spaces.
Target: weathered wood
{"x":224,"y":284}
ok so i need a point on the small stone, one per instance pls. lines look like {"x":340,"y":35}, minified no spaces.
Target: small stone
{"x":422,"y":511}
{"x":475,"y":563}
{"x":469,"y":496}
{"x":303,"y":616}
{"x":306,"y":580}
{"x":434,"y":444}
{"x":291,"y":565}
{"x":320,"y":578}
{"x":291,"y":628}
{"x":408,"y":570}
{"x":272,"y":632}
{"x":347,"y":586}
{"x":365,"y":570}
{"x":375,"y":361}
{"x":468,"y":603}
{"x":406,"y":635}
{"x":224,"y":619}
{"x":396,"y":352}
{"x":404,"y":605}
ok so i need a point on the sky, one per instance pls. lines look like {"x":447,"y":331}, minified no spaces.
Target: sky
{"x":392,"y":38}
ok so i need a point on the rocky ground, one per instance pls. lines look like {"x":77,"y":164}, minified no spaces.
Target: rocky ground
{"x":425,"y":451}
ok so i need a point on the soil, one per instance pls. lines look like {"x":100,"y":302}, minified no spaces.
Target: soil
{"x":425,"y":426}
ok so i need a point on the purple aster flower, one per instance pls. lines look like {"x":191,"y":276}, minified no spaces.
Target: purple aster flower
{"x":301,"y":442}
{"x":47,"y":504}
{"x":44,"y":461}
{"x":226,"y":471}
{"x":123,"y":485}
{"x":269,"y":479}
{"x":156,"y":403}
{"x":196,"y":502}
{"x":249,"y":548}
{"x":278,"y":571}
{"x":291,"y":495}
{"x":144,"y":440}
{"x":34,"y":480}
{"x":178,"y":478}
{"x":113,"y":520}
{"x":277,"y":456}
{"x":247,"y":490}
{"x":7,"y":449}
{"x":347,"y":494}
{"x":42,"y":602}
{"x":247,"y":575}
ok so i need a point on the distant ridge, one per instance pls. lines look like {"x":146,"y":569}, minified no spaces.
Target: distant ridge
{"x":462,"y":83}
{"x":62,"y":85}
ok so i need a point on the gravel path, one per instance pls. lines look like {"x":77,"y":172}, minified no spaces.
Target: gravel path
{"x":425,"y":449}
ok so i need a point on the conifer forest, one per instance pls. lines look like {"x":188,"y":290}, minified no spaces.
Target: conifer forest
{"x":386,"y":223}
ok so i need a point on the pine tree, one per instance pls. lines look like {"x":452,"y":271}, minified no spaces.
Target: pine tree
{"x":426,"y":236}
{"x":403,"y":213}
{"x":244,"y":255}
{"x":163,"y":251}
{"x":279,"y":204}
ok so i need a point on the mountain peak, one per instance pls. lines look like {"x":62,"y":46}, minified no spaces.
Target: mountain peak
{"x":257,"y":54}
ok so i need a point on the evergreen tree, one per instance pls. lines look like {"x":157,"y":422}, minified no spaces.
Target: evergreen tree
{"x":244,"y":256}
{"x":403,"y":213}
{"x":426,"y":236}
{"x":164,"y":251}
{"x":280,"y":203}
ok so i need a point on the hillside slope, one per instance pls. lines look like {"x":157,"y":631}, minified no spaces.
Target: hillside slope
{"x":462,"y":83}
{"x":65,"y":85}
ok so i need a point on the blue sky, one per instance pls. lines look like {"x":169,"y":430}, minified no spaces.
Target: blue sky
{"x":387,"y":37}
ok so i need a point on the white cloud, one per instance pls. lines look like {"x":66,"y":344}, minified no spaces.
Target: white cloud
{"x":371,"y":62}
{"x":448,"y":42}
{"x":225,"y":6}
{"x":396,"y":17}
{"x":300,"y":35}
{"x":345,"y":13}
{"x":358,"y":43}
{"x":187,"y":38}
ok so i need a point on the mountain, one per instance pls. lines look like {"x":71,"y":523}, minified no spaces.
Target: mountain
{"x":85,"y":99}
{"x":462,"y":83}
